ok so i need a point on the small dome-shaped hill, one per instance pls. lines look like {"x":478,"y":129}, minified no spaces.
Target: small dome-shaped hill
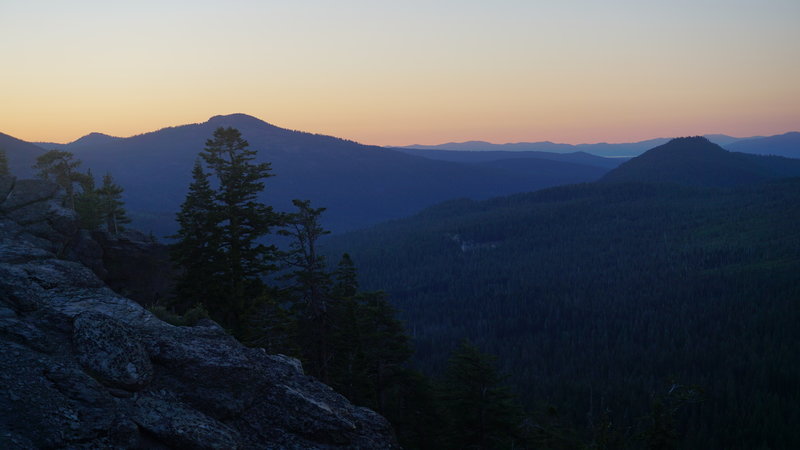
{"x":696,"y":161}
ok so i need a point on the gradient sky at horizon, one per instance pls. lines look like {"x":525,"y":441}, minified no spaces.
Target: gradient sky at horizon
{"x":397,"y":73}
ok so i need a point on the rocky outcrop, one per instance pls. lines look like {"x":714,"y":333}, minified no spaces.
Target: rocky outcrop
{"x":131,"y":263}
{"x":84,"y":367}
{"x":34,"y":205}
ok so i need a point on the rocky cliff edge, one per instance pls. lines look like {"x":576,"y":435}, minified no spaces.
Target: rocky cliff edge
{"x":84,"y":367}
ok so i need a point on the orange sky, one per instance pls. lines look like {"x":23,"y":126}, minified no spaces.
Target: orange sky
{"x":397,"y":73}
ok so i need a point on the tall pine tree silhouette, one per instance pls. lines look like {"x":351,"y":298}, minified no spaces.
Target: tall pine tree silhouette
{"x":111,"y":205}
{"x":196,"y":248}
{"x":481,"y":412}
{"x":224,"y":226}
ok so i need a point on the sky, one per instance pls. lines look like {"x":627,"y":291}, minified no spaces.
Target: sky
{"x":404,"y":72}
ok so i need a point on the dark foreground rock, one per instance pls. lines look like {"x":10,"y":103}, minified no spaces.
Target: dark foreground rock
{"x":135,"y":265}
{"x":84,"y":367}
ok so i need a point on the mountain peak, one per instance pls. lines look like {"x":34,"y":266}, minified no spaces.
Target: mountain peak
{"x":93,"y":138}
{"x":690,"y":146}
{"x":695,"y":141}
{"x":690,"y":139}
{"x":237,"y":120}
{"x":95,"y":134}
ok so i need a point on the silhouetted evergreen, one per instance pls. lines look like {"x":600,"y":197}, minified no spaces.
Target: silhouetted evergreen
{"x":347,"y":338}
{"x":345,"y":278}
{"x":371,"y":352}
{"x":111,"y":205}
{"x":197,"y":247}
{"x":87,"y":204}
{"x":94,"y":206}
{"x":481,"y":413}
{"x":241,"y":221}
{"x":61,"y":167}
{"x":311,"y":282}
{"x":271,"y":326}
{"x":415,"y":412}
{"x":227,"y":231}
{"x":3,"y":163}
{"x":310,"y":288}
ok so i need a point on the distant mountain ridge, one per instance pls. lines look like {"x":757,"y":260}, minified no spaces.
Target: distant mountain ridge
{"x":91,"y":139}
{"x":600,"y":149}
{"x":486,"y":156}
{"x":787,"y":145}
{"x":359,"y":184}
{"x":624,"y":149}
{"x":696,"y":161}
{"x":543,"y":146}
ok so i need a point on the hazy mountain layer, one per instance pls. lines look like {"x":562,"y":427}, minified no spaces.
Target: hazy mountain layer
{"x":600,"y":149}
{"x":625,"y":149}
{"x":360,"y":185}
{"x":582,"y":158}
{"x":782,"y":145}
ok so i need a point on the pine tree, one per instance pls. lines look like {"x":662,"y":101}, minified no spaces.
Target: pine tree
{"x":482,"y":414}
{"x":385,"y":345}
{"x":197,"y":248}
{"x":111,"y":205}
{"x":413,"y":410}
{"x":312,"y":282}
{"x":60,"y":168}
{"x":661,"y":428}
{"x":87,"y":204}
{"x":310,"y":290}
{"x":236,"y":221}
{"x":345,"y":279}
{"x":271,"y":327}
{"x":3,"y":163}
{"x":349,"y":372}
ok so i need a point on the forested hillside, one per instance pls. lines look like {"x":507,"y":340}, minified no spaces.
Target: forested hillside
{"x":598,"y":297}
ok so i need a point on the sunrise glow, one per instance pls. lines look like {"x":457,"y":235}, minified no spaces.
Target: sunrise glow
{"x":398,"y":73}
